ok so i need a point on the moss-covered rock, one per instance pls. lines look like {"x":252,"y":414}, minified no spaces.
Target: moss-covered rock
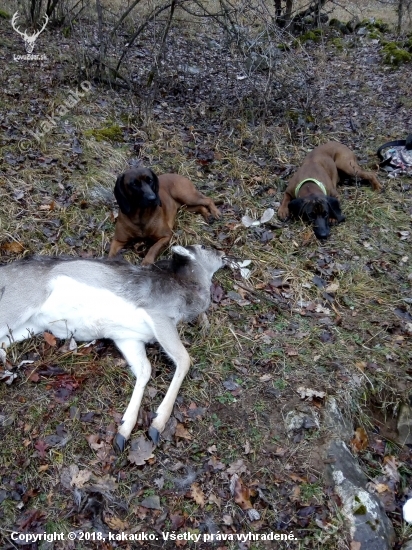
{"x":338,"y":43}
{"x":338,"y":25}
{"x":373,"y":25}
{"x":408,"y":45}
{"x":394,"y":54}
{"x":315,"y":35}
{"x":109,"y":133}
{"x":375,"y":34}
{"x":4,"y":15}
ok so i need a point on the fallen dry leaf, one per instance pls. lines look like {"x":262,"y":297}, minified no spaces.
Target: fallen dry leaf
{"x":213,"y":499}
{"x":241,"y":496}
{"x":182,"y":432}
{"x":116,"y":523}
{"x":381,"y":487}
{"x":140,"y":450}
{"x":197,"y":494}
{"x":12,"y":248}
{"x":309,"y":394}
{"x":94,"y":441}
{"x":237,"y":467}
{"x":177,"y":520}
{"x":333,"y":287}
{"x":360,"y":440}
{"x":240,"y":493}
{"x":80,"y":478}
{"x":390,"y":468}
{"x":50,"y":339}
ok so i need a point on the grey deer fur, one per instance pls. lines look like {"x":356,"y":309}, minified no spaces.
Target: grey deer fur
{"x":131,"y":305}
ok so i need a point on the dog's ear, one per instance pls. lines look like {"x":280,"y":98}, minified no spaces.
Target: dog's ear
{"x":155,"y":187}
{"x":295,"y":208}
{"x":121,"y":198}
{"x":334,"y":210}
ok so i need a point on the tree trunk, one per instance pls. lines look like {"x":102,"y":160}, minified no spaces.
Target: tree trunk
{"x":278,"y":9}
{"x":400,"y":15}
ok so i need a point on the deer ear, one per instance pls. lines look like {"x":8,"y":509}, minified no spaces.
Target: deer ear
{"x":182,"y":251}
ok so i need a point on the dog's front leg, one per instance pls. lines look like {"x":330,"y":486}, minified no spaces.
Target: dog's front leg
{"x":116,"y":247}
{"x":167,"y":336}
{"x":156,"y":249}
{"x":135,"y":354}
{"x":283,"y":212}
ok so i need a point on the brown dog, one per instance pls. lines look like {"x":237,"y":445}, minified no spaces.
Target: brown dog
{"x":312,"y":193}
{"x":148,"y":207}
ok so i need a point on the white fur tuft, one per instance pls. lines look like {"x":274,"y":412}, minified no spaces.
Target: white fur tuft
{"x":182,"y":251}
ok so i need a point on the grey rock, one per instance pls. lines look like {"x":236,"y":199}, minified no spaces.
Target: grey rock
{"x":296,"y":420}
{"x":407,"y":545}
{"x":335,"y":421}
{"x":364,"y":513}
{"x":404,"y":425}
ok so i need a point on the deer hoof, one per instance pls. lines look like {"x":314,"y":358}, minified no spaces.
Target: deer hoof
{"x":119,"y":443}
{"x":154,"y":435}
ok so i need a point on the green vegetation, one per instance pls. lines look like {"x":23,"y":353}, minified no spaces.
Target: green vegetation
{"x":111,"y":132}
{"x":394,"y":54}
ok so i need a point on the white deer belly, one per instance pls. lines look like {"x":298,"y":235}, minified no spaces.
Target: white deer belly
{"x":86,"y":312}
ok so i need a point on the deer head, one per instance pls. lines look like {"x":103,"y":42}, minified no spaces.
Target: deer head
{"x":28,"y":40}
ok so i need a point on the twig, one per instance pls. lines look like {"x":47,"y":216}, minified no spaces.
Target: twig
{"x":154,"y":70}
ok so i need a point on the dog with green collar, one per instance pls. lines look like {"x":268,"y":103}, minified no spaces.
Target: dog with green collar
{"x":312,"y":193}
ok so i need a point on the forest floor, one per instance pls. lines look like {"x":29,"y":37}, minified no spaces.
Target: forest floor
{"x":333,"y":317}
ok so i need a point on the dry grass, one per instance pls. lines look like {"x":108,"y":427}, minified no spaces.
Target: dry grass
{"x":269,"y":340}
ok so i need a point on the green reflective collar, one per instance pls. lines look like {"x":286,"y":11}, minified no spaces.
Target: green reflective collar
{"x":318,"y":183}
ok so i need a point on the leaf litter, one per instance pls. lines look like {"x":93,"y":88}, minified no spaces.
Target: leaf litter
{"x":251,"y":343}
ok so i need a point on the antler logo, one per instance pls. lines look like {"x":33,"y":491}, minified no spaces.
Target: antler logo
{"x":28,"y":40}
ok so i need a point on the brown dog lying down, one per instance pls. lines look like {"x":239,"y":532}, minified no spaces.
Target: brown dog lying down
{"x":148,"y":207}
{"x":312,"y":193}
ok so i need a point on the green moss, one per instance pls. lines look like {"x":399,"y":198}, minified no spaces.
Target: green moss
{"x":375,"y":34}
{"x":376,"y":24}
{"x":408,"y":45}
{"x":4,"y":15}
{"x":292,"y":115}
{"x":395,"y":55}
{"x":337,"y":42}
{"x":110,"y":133}
{"x":381,"y":26}
{"x":360,"y":510}
{"x":315,"y":35}
{"x":283,"y":47}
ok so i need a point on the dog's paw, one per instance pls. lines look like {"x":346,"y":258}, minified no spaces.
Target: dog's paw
{"x":213,"y":216}
{"x":283,"y":214}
